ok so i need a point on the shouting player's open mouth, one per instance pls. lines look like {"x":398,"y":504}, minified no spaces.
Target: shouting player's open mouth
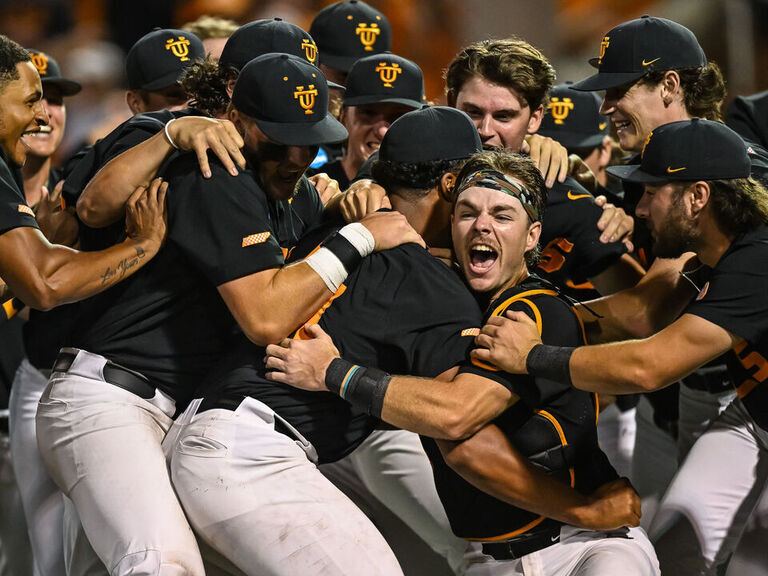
{"x":482,"y":257}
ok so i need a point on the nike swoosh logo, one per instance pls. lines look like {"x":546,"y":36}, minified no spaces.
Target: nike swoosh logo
{"x":602,"y":125}
{"x":671,"y":170}
{"x":572,"y":196}
{"x":651,"y":62}
{"x":555,"y":538}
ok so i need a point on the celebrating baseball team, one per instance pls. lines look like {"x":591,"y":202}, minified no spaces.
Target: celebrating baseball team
{"x":292,"y":318}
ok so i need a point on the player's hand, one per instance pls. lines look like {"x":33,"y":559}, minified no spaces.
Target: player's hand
{"x":302,"y":363}
{"x":390,"y":229}
{"x":202,"y":134}
{"x":57,"y":225}
{"x":362,"y":198}
{"x":612,"y":506}
{"x":580,"y":172}
{"x":145,"y":213}
{"x":506,"y":341}
{"x":550,"y":157}
{"x":326,"y":186}
{"x":615,"y":224}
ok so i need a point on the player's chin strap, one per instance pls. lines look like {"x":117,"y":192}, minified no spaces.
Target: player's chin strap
{"x":362,"y":387}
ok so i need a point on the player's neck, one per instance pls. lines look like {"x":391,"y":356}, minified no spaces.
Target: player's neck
{"x":429,"y":215}
{"x":712,"y":243}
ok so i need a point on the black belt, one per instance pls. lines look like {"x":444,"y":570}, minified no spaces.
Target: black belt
{"x":519,"y":547}
{"x":712,"y":379}
{"x":113,"y":374}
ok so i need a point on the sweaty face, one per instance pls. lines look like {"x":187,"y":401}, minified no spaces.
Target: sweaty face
{"x":21,"y":112}
{"x":635,"y":110}
{"x":367,"y":125}
{"x":672,"y":229}
{"x":491,"y":234}
{"x":502,"y":117}
{"x":44,"y":143}
{"x":279,"y":168}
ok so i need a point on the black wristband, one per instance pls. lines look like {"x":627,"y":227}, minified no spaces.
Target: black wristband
{"x":362,"y":387}
{"x":344,"y":250}
{"x":550,"y":362}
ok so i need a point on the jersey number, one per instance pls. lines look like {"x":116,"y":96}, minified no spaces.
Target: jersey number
{"x":554,"y":254}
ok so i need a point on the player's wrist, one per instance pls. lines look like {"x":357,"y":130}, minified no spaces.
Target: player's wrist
{"x":340,"y":254}
{"x":550,"y":362}
{"x":362,"y":387}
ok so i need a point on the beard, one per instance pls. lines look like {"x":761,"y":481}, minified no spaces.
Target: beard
{"x":676,"y":234}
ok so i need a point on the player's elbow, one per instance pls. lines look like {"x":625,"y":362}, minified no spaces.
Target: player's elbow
{"x":646,"y":379}
{"x":91,"y":213}
{"x":43,"y":296}
{"x":462,"y":420}
{"x":263,"y":333}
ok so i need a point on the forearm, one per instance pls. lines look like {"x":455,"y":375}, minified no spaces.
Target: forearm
{"x":103,"y":200}
{"x":640,"y":311}
{"x":438,"y":409}
{"x":490,"y":462}
{"x":55,"y":275}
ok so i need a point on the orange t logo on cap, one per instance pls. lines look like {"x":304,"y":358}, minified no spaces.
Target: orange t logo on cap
{"x":603,"y":47}
{"x":40,"y":61}
{"x":368,"y":35}
{"x":388,"y":72}
{"x":179,"y":47}
{"x":306,"y":97}
{"x":310,"y":50}
{"x":560,"y":109}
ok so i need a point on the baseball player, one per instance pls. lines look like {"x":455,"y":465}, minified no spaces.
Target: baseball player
{"x":698,"y":197}
{"x":498,"y":201}
{"x":654,"y":71}
{"x":141,"y":351}
{"x":379,"y":89}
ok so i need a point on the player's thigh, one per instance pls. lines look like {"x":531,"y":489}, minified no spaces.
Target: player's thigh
{"x":251,"y":493}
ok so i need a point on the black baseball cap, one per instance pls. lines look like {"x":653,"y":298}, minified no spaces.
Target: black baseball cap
{"x":573,"y":118}
{"x":632,"y":49}
{"x":158,"y":59}
{"x":347,"y":31}
{"x":689,"y":150}
{"x":288,"y":98}
{"x":385,"y":78}
{"x":50,"y":73}
{"x":264,"y":36}
{"x":431,"y":133}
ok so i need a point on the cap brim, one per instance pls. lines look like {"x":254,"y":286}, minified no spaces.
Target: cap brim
{"x":327,"y":131}
{"x":574,"y":139}
{"x":360,"y":100}
{"x":337,"y":86}
{"x":67,"y":87}
{"x":605,"y":80}
{"x":634,"y":174}
{"x":594,"y":62}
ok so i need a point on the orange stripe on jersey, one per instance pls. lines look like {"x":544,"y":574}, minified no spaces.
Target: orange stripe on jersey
{"x":561,"y":434}
{"x":470,"y":332}
{"x":517,"y":532}
{"x":259,"y":238}
{"x":26,"y":209}
{"x":301,"y":334}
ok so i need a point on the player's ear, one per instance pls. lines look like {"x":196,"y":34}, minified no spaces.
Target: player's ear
{"x":700,"y":193}
{"x":534,"y":233}
{"x":445,"y":186}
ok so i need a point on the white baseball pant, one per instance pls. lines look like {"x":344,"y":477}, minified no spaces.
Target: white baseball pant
{"x":40,"y":497}
{"x":102,"y":446}
{"x":704,"y":512}
{"x":254,"y":495}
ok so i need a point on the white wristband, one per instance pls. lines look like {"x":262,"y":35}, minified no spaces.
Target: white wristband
{"x":360,"y":237}
{"x":328,"y":267}
{"x":168,"y":136}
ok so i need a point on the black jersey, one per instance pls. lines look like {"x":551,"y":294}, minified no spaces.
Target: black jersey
{"x":14,"y":212}
{"x":553,"y":424}
{"x":401,"y":310}
{"x":736,"y":298}
{"x":168,"y":321}
{"x":570,"y":241}
{"x":47,"y":332}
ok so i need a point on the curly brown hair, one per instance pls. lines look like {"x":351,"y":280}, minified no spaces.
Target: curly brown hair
{"x":510,"y":62}
{"x":703,"y":89}
{"x":205,"y":82}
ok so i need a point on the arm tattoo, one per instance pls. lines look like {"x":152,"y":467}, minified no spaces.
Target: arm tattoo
{"x":118,"y":272}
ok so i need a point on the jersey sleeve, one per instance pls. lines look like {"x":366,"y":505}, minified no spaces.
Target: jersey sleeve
{"x":221,"y":223}
{"x":735,"y":297}
{"x":573,"y":246}
{"x":14,"y":211}
{"x":558,"y":326}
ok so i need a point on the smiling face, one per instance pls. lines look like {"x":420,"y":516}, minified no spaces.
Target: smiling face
{"x":278,"y":167}
{"x":367,"y":124}
{"x":44,"y":143}
{"x":491,"y":234}
{"x":501,"y":116}
{"x":21,"y":112}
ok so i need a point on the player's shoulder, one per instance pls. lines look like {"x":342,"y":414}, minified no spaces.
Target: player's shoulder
{"x":748,"y":254}
{"x":569,"y":193}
